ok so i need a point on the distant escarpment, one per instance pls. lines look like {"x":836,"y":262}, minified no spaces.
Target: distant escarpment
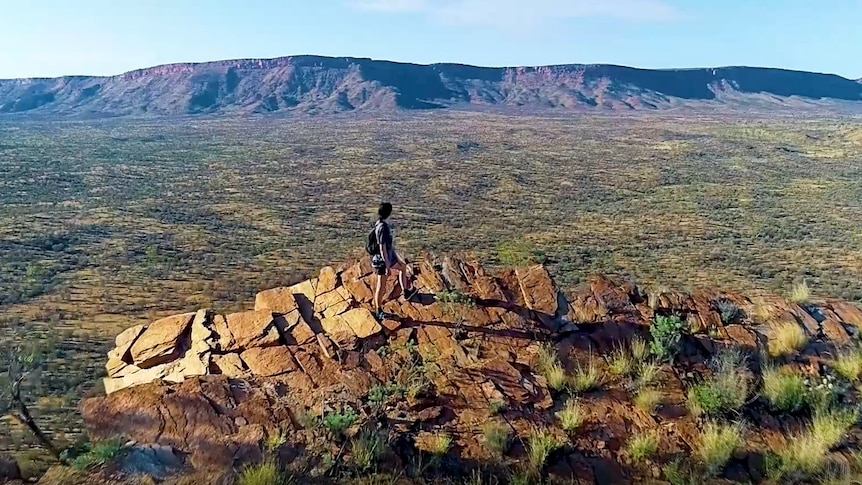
{"x":325,"y":85}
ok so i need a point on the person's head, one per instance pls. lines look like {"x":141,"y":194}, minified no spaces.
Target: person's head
{"x":384,"y":211}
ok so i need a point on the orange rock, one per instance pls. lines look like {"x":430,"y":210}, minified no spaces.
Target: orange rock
{"x":250,"y":329}
{"x":327,"y":280}
{"x":228,"y":364}
{"x":835,"y":332}
{"x":269,"y":361}
{"x":161,"y":341}
{"x":276,"y":300}
{"x":362,"y":322}
{"x":848,"y":313}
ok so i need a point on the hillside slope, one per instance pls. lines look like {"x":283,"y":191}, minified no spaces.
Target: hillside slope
{"x":320,"y":85}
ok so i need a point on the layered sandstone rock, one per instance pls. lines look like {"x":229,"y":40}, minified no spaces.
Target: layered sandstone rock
{"x":217,"y":385}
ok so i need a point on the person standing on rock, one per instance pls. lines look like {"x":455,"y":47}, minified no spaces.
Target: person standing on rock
{"x":384,"y":258}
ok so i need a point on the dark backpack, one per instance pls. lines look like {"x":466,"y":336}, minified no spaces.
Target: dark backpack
{"x":372,"y":247}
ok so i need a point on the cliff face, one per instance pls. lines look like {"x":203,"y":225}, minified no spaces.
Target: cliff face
{"x":312,"y":371}
{"x":322,"y":85}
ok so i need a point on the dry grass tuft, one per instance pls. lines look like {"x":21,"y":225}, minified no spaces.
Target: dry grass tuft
{"x":786,"y":338}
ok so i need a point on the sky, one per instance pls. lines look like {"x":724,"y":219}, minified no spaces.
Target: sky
{"x":46,"y":38}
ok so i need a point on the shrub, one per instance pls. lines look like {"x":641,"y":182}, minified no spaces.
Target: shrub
{"x":539,"y":447}
{"x":586,"y":378}
{"x":337,"y":423}
{"x":807,"y":452}
{"x":727,"y":389}
{"x":274,"y":441}
{"x":647,"y":374}
{"x":825,"y":392}
{"x":572,"y":416}
{"x":642,"y":446}
{"x":440,"y":444}
{"x":678,"y":474}
{"x":381,"y":394}
{"x":620,"y":362}
{"x":639,"y":349}
{"x":496,"y":407}
{"x":648,"y":399}
{"x":786,"y":338}
{"x":98,"y":454}
{"x":717,"y":444}
{"x":800,"y":294}
{"x":848,"y":364}
{"x":496,"y":435}
{"x":366,"y":449}
{"x":265,"y":473}
{"x":729,"y":311}
{"x":546,"y":357}
{"x":666,"y":335}
{"x":556,"y":377}
{"x":785,"y":391}
{"x":455,"y":296}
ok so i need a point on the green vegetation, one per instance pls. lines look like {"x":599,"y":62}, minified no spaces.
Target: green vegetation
{"x":806,"y":454}
{"x":98,"y":454}
{"x":264,"y":473}
{"x":496,"y":436}
{"x":621,"y":362}
{"x":641,"y":446}
{"x":382,"y":393}
{"x":647,"y":374}
{"x":848,"y":363}
{"x":540,"y":444}
{"x":729,"y":311}
{"x":337,"y":423}
{"x":726,"y":390}
{"x":586,"y":378}
{"x":572,"y":415}
{"x":440,"y":444}
{"x":717,"y":444}
{"x":648,"y":399}
{"x":800,"y":294}
{"x":639,"y":349}
{"x":366,"y":448}
{"x":666,"y":332}
{"x":97,"y":231}
{"x":785,"y":391}
{"x":786,"y":338}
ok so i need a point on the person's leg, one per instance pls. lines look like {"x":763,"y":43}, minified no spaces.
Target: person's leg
{"x":381,"y":282}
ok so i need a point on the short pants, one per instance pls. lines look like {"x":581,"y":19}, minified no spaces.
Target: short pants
{"x":378,"y":264}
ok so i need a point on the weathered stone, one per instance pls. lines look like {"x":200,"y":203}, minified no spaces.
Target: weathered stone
{"x":359,"y":290}
{"x":301,"y":334}
{"x":391,"y":325}
{"x":326,"y":300}
{"x":327,"y":280}
{"x":228,"y":364}
{"x":135,"y":376}
{"x":115,"y":366}
{"x":203,"y":337}
{"x":251,"y":329}
{"x":311,"y":366}
{"x":742,"y":336}
{"x":124,"y":342}
{"x":362,"y":322}
{"x":192,"y":364}
{"x":848,"y":313}
{"x":345,"y":339}
{"x":803,"y":317}
{"x":336,"y":309}
{"x":162,"y":341}
{"x":276,"y":300}
{"x":430,"y":413}
{"x":834,"y":332}
{"x":326,"y":346}
{"x":428,"y":279}
{"x":269,"y":361}
{"x":305,"y":294}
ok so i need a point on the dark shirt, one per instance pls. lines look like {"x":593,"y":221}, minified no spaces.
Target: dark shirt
{"x":384,"y":238}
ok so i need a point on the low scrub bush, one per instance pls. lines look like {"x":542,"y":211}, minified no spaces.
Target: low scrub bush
{"x":366,"y":448}
{"x":729,"y":311}
{"x":98,"y":453}
{"x":337,"y":423}
{"x":572,"y":416}
{"x":717,"y":444}
{"x":642,"y":446}
{"x":785,"y":391}
{"x":800,"y":294}
{"x":648,"y":399}
{"x":848,"y":363}
{"x":666,"y":332}
{"x":540,"y":445}
{"x":621,"y":362}
{"x":806,"y":454}
{"x":496,"y":435}
{"x":265,"y":473}
{"x":728,"y":388}
{"x":586,"y":378}
{"x":786,"y":338}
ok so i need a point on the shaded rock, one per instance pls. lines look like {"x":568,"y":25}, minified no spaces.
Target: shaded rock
{"x":156,"y":461}
{"x":9,"y":469}
{"x":269,"y":361}
{"x":276,"y":300}
{"x":305,"y":294}
{"x":124,"y":342}
{"x":359,"y":290}
{"x":162,"y":341}
{"x":834,"y":332}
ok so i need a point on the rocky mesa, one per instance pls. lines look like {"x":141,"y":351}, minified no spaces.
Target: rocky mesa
{"x":486,"y":374}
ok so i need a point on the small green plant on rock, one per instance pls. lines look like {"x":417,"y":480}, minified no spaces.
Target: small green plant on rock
{"x":717,"y":444}
{"x":677,"y":473}
{"x":786,"y":338}
{"x":556,"y":376}
{"x":274,"y":441}
{"x":264,"y":473}
{"x":666,"y":332}
{"x":648,"y":399}
{"x":540,"y":445}
{"x":726,"y":390}
{"x":647,"y":375}
{"x":785,"y":391}
{"x":366,"y":448}
{"x":497,"y":406}
{"x":572,"y":416}
{"x":586,"y":378}
{"x":640,"y":349}
{"x":496,"y":437}
{"x":807,"y":452}
{"x":440,"y":444}
{"x":642,"y":446}
{"x":337,"y":423}
{"x":98,"y":454}
{"x":620,"y":362}
{"x":729,"y":311}
{"x":848,"y":363}
{"x":382,"y":393}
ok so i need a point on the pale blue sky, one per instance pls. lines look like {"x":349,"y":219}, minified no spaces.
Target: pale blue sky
{"x":58,"y":37}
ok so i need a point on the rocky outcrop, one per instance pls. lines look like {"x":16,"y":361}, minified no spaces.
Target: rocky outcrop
{"x":433,"y":366}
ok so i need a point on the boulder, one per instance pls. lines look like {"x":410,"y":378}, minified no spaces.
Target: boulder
{"x":276,"y":300}
{"x":848,"y":313}
{"x":326,"y":281}
{"x":124,"y":342}
{"x":540,"y":294}
{"x":305,"y":294}
{"x":163,"y":341}
{"x":362,"y":322}
{"x":269,"y":361}
{"x":247,"y":330}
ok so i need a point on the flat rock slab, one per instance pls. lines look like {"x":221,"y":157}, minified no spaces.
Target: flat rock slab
{"x":245,"y":330}
{"x":276,"y":300}
{"x":161,"y":341}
